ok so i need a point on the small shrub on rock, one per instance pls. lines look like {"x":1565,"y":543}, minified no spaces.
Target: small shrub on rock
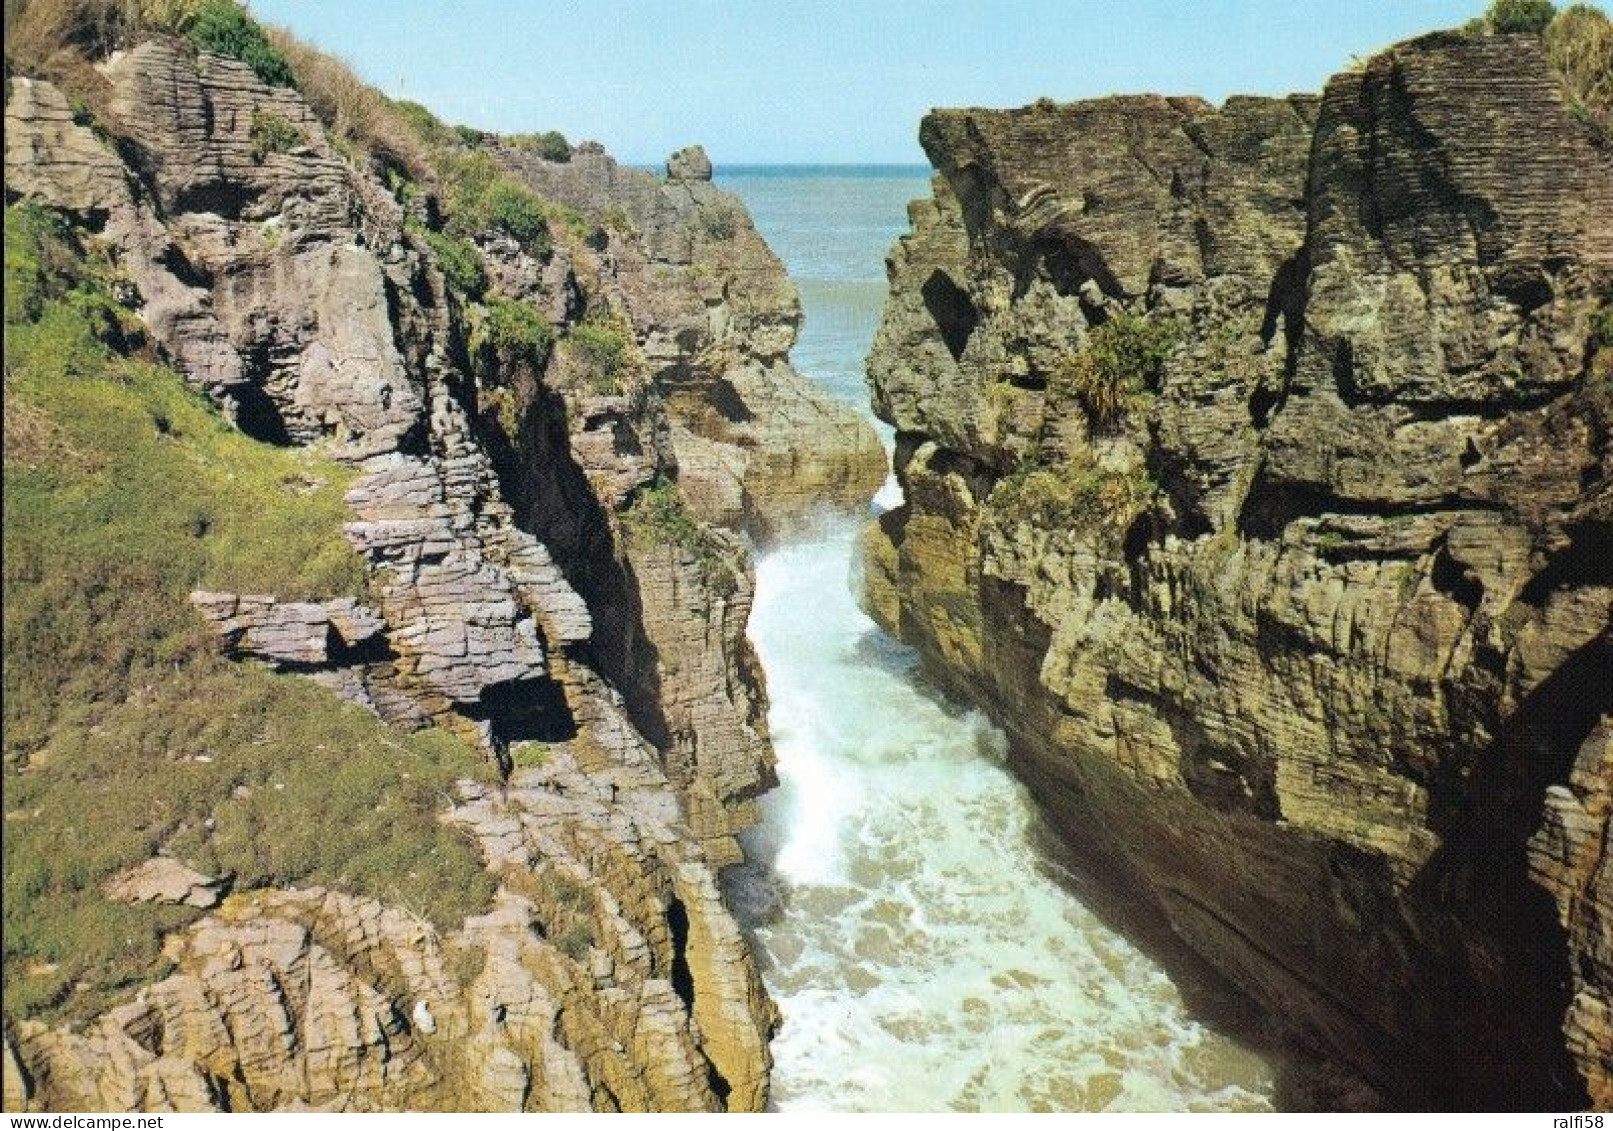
{"x":1075,"y":494}
{"x":515,"y":329}
{"x":223,"y":27}
{"x":660,"y":517}
{"x":1511,"y":16}
{"x":459,"y":260}
{"x":272,"y":133}
{"x":604,"y":349}
{"x":1123,"y":360}
{"x":719,"y":222}
{"x":482,"y":197}
{"x":550,"y":145}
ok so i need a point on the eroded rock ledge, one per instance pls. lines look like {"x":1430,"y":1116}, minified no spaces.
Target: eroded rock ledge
{"x":758,"y":446}
{"x":1311,"y":636}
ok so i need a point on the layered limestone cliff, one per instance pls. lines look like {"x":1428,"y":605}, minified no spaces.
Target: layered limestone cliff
{"x":545,"y":579}
{"x":756,"y":449}
{"x":1257,"y":481}
{"x":715,"y":316}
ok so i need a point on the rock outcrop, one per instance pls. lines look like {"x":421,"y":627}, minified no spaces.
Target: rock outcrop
{"x":607,"y":976}
{"x":515,"y":585}
{"x":707,"y":396}
{"x":757,"y":446}
{"x":1305,"y":624}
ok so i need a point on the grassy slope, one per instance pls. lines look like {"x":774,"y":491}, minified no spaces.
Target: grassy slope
{"x":124,"y":731}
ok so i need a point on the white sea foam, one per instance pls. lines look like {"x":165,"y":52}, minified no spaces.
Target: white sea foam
{"x":923,"y":953}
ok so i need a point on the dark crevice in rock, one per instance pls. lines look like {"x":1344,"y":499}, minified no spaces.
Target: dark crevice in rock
{"x":373,"y":650}
{"x":554,"y":502}
{"x":227,"y":200}
{"x":181,"y":268}
{"x":526,"y":711}
{"x":677,"y":917}
{"x":1070,"y":262}
{"x":257,"y":414}
{"x":1533,"y":748}
{"x":1457,"y":583}
{"x":723,"y":397}
{"x":1500,"y":997}
{"x":1285,"y":307}
{"x":1586,"y":560}
{"x":1524,"y":285}
{"x":720,"y":1087}
{"x":955,"y":315}
{"x":1271,"y":505}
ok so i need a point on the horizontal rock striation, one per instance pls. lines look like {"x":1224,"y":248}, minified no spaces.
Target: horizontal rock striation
{"x":1306,"y":627}
{"x":507,"y":601}
{"x":758,"y":447}
{"x":607,"y":976}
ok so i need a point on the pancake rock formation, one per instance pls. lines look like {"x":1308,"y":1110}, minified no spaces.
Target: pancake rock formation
{"x":1257,"y":482}
{"x":554,"y":546}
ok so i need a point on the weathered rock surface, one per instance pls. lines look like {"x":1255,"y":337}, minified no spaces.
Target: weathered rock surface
{"x":286,"y":286}
{"x":689,"y":164}
{"x":1328,"y":677}
{"x":162,"y":879}
{"x":757,"y":446}
{"x":608,"y":975}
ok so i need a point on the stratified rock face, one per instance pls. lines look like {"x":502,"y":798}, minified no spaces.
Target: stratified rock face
{"x":1317,"y":643}
{"x":608,"y":975}
{"x":757,"y":446}
{"x":285,"y":289}
{"x":716,"y":405}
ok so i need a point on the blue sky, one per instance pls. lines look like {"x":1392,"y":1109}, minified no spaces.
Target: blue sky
{"x":823,"y":82}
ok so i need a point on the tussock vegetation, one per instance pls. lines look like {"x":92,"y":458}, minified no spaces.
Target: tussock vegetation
{"x":514,"y":329}
{"x":1122,"y":362}
{"x":1075,"y":494}
{"x":481,"y":197}
{"x":459,"y":260}
{"x":1513,"y":16}
{"x":59,"y":39}
{"x":359,"y":118}
{"x":603,"y":348}
{"x":43,"y":36}
{"x":1579,"y":44}
{"x":125,"y":731}
{"x":550,"y":145}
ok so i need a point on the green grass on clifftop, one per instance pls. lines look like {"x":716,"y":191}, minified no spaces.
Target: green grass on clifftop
{"x":125,"y":731}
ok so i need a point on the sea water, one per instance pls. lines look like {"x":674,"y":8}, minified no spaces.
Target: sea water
{"x":925,"y":949}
